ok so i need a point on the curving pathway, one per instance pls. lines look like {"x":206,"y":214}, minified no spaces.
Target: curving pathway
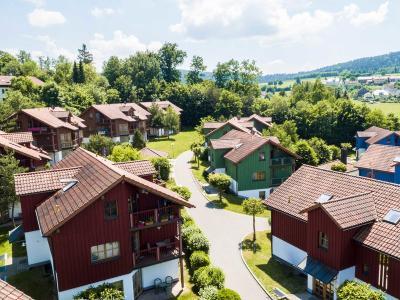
{"x":225,"y":230}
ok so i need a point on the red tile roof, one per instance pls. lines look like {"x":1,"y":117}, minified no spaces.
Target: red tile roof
{"x":48,"y":116}
{"x":240,"y":123}
{"x":18,"y":137}
{"x":8,"y":292}
{"x":22,"y":150}
{"x":161,"y":104}
{"x":300,"y":191}
{"x":137,"y":167}
{"x":116,"y":111}
{"x":96,"y":176}
{"x":151,"y":153}
{"x":43,"y":181}
{"x":350,"y":166}
{"x":224,"y":143}
{"x":379,"y":157}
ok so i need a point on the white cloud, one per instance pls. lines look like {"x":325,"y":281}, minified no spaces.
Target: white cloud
{"x":51,"y":48}
{"x":36,"y":2}
{"x":43,"y":18}
{"x":101,"y":12}
{"x":357,"y":18}
{"x":268,"y":21}
{"x":121,"y":44}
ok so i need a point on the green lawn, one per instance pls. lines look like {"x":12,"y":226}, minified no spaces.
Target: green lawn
{"x":15,"y":249}
{"x":34,"y":283}
{"x":385,"y":107}
{"x":268,"y":271}
{"x":176,"y":144}
{"x":229,"y":201}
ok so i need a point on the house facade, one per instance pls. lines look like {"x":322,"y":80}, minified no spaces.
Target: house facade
{"x":256,"y":164}
{"x":375,"y":135}
{"x":54,"y":129}
{"x":333,"y":227}
{"x":5,"y":84}
{"x":129,"y":227}
{"x":118,"y":121}
{"x":163,"y":105}
{"x":380,"y":162}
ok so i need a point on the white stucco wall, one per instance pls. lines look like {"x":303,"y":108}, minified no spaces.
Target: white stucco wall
{"x":233,"y":186}
{"x":3,"y":92}
{"x":85,"y":140}
{"x":254,"y":193}
{"x":55,"y":157}
{"x":310,"y":281}
{"x":286,"y":251}
{"x":220,"y":171}
{"x":168,"y":268}
{"x":116,"y":139}
{"x":37,"y":247}
{"x":17,"y":210}
{"x":127,"y":282}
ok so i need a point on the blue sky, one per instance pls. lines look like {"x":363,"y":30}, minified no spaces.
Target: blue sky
{"x":281,"y":35}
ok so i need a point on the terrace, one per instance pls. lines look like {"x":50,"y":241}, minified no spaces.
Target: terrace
{"x":154,"y":217}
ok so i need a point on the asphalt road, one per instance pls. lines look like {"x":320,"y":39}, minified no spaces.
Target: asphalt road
{"x":225,"y":230}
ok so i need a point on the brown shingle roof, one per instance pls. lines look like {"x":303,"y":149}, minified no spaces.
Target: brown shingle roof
{"x":224,"y":143}
{"x":161,"y":104}
{"x":264,"y":120}
{"x":96,"y":176}
{"x":116,"y":111}
{"x":379,"y":157}
{"x":374,"y":134}
{"x":46,"y":116}
{"x":43,"y":181}
{"x":151,"y":153}
{"x":18,"y":137}
{"x":306,"y":185}
{"x":6,"y":80}
{"x":234,"y":124}
{"x":8,"y":292}
{"x":22,"y":150}
{"x":137,"y":167}
{"x":212,"y":125}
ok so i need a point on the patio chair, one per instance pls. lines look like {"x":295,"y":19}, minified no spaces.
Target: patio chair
{"x":168,"y":284}
{"x":157,"y":285}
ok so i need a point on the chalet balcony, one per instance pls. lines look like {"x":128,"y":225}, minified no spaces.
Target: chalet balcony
{"x":158,"y":252}
{"x":124,"y":132}
{"x":278,"y":181}
{"x":67,"y":144}
{"x":154,"y":217}
{"x":38,"y":129}
{"x":281,"y":161}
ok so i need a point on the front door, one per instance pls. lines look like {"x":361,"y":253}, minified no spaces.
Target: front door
{"x":137,"y":283}
{"x":322,"y":290}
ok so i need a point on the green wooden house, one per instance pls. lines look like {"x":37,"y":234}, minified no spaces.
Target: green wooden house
{"x":256,"y":164}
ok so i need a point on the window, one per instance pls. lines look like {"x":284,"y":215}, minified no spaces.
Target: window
{"x":323,"y":241}
{"x":104,"y":251}
{"x":365,"y":269}
{"x":261,"y":195}
{"x":261,"y":156}
{"x":110,"y":210}
{"x":258,"y":176}
{"x":123,"y":128}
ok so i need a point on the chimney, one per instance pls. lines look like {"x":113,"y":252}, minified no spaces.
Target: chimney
{"x":343,"y":155}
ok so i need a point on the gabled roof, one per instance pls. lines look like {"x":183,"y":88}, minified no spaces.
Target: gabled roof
{"x":43,"y":181}
{"x":212,"y":125}
{"x":300,"y":191}
{"x":48,"y":116}
{"x":22,"y":150}
{"x":150,"y":153}
{"x":379,"y":157}
{"x":7,"y":291}
{"x":6,"y":80}
{"x":248,"y":144}
{"x":18,"y":137}
{"x":95,"y":178}
{"x":349,"y":211}
{"x":232,"y":122}
{"x":138,"y":167}
{"x":374,"y":134}
{"x":116,"y":111}
{"x":240,"y":123}
{"x":264,"y":120}
{"x":224,"y":143}
{"x":161,"y":104}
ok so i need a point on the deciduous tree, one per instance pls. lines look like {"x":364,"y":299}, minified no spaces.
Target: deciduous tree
{"x":253,"y":207}
{"x":221,"y":182}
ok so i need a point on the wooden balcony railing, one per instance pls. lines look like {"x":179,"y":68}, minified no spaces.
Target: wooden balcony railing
{"x":159,"y":251}
{"x":152,"y":217}
{"x":67,"y":144}
{"x":281,"y":161}
{"x":38,"y":129}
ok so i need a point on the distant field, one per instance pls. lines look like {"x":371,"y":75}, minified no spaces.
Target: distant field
{"x":385,"y":107}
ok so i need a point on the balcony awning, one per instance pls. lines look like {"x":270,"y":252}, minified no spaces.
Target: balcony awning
{"x":317,"y":270}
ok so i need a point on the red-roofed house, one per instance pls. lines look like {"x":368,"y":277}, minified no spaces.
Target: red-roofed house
{"x":333,"y":227}
{"x":54,"y":129}
{"x":95,"y":221}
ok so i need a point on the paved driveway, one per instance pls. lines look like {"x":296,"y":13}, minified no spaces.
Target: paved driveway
{"x":225,"y":231}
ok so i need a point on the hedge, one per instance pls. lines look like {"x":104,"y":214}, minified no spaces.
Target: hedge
{"x":198,"y":259}
{"x":227,"y":294}
{"x":208,"y":276}
{"x":198,"y":242}
{"x":208,"y":293}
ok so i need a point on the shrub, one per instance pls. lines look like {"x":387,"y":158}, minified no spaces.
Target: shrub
{"x":138,"y":141}
{"x":183,"y":191}
{"x":189,"y":231}
{"x":350,"y":290}
{"x":162,"y":166}
{"x":105,"y":291}
{"x":198,"y":259}
{"x":208,"y":293}
{"x":198,"y":242}
{"x":335,"y":150}
{"x":204,"y":155}
{"x":227,"y":294}
{"x":340,"y":167}
{"x":221,"y":182}
{"x":100,"y":144}
{"x":124,"y":152}
{"x":208,"y":276}
{"x":186,"y":219}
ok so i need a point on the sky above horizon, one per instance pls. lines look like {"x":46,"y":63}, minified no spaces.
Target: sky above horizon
{"x":280,"y":35}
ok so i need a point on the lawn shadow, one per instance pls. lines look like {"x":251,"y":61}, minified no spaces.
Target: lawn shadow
{"x":163,"y":139}
{"x":248,"y":244}
{"x":216,"y":204}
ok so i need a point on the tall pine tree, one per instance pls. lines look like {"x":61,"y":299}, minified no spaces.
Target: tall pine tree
{"x":75,"y":73}
{"x":81,"y":73}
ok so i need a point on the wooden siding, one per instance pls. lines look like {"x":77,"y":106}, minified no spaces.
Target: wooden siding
{"x":28,"y":206}
{"x":217,"y":158}
{"x":341,"y":248}
{"x":219,"y":132}
{"x":394,"y":278}
{"x":289,"y":229}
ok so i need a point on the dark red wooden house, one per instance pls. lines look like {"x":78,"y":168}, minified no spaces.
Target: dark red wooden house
{"x":96,"y":222}
{"x":335,"y":227}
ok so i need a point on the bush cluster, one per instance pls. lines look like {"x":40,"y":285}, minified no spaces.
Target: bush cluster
{"x":208,"y":276}
{"x":103,"y":291}
{"x":198,"y":259}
